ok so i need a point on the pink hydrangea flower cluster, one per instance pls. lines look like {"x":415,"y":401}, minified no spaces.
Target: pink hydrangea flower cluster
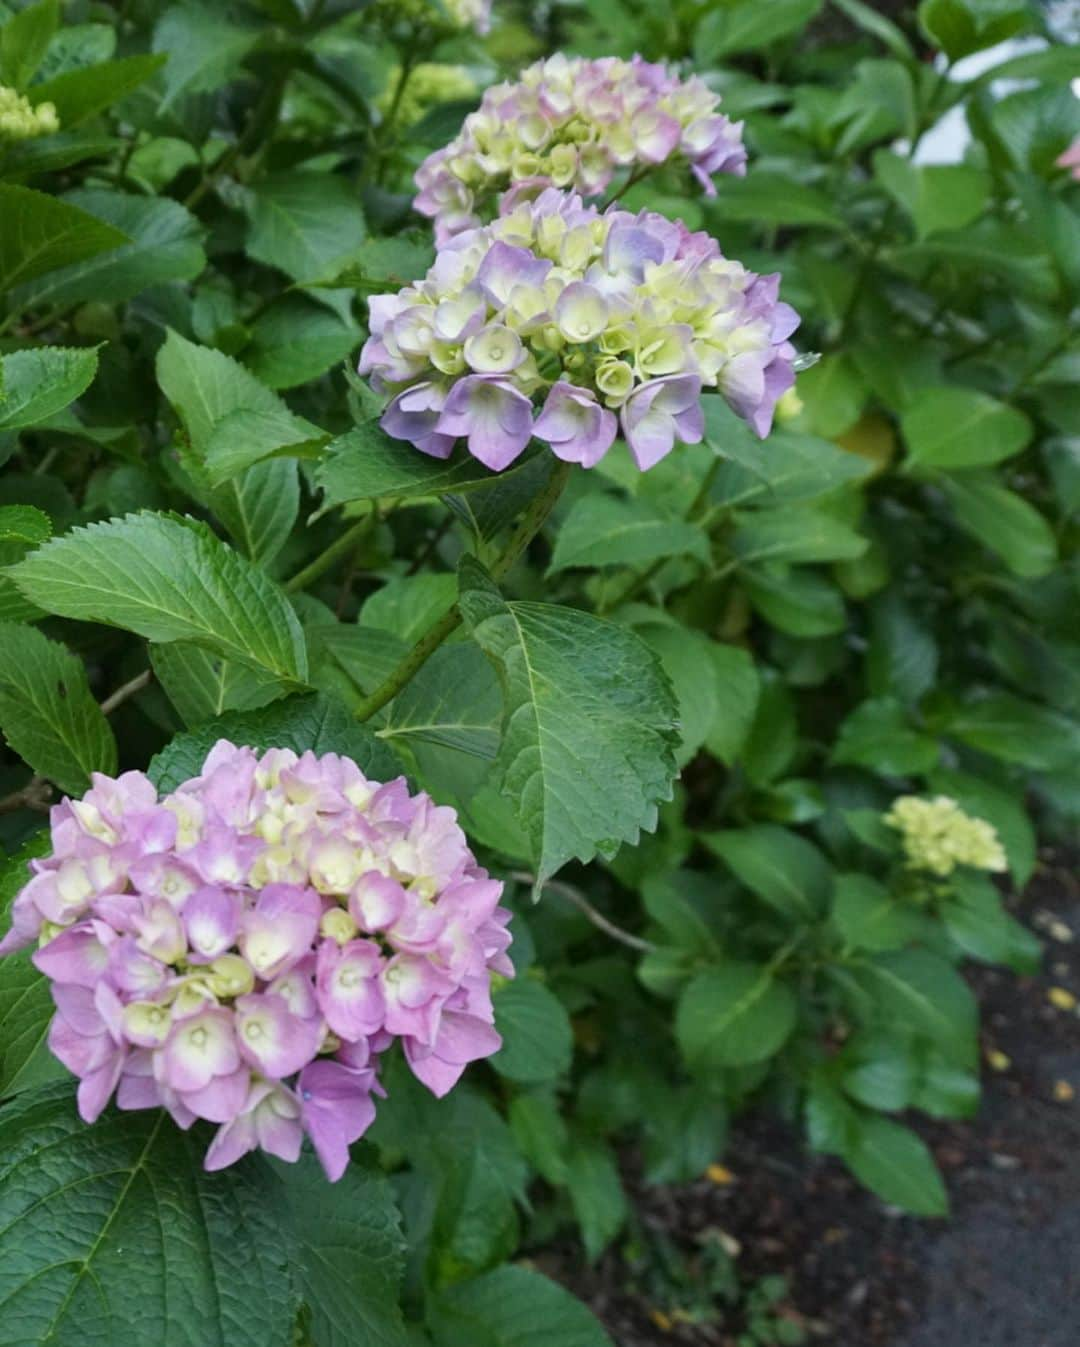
{"x":243,"y":949}
{"x":605,"y":320}
{"x":574,"y":123}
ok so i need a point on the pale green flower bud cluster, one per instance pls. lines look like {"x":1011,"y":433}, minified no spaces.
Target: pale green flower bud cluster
{"x":20,"y":120}
{"x":448,"y":14}
{"x":937,"y":836}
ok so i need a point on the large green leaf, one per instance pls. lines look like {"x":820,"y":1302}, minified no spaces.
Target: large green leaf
{"x":454,"y":701}
{"x":24,"y":39}
{"x":738,"y":686}
{"x":114,"y":1236}
{"x":1017,"y":731}
{"x":896,"y":1164}
{"x":795,"y":535}
{"x":305,"y":224}
{"x":79,"y":95}
{"x":25,"y":1004}
{"x":782,"y":868}
{"x":157,"y":241}
{"x":867,"y":916}
{"x":314,"y":722}
{"x":37,"y":383}
{"x":734,"y":1015}
{"x":512,"y":1307}
{"x":596,"y":1193}
{"x":1004,"y":522}
{"x":936,"y":196}
{"x":204,"y":47}
{"x":202,"y":685}
{"x":746,"y":25}
{"x":537,"y":1041}
{"x":587,"y":752}
{"x":919,"y":989}
{"x":366,"y":463}
{"x":168,"y":580}
{"x":605,"y":530}
{"x":38,"y":234}
{"x":47,"y":712}
{"x":877,"y":735}
{"x":952,"y":427}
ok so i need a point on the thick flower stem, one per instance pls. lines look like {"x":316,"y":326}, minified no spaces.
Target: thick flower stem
{"x":532,"y":521}
{"x":322,"y":563}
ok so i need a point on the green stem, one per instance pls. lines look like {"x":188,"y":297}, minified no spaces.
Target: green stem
{"x":322,"y":563}
{"x":386,"y":130}
{"x":531,"y":523}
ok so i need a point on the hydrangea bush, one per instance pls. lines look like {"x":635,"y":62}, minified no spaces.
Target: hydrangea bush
{"x":737,"y":686}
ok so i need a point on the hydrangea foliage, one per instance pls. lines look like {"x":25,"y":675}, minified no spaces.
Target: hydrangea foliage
{"x":575,"y":123}
{"x":243,"y":949}
{"x":600,"y":321}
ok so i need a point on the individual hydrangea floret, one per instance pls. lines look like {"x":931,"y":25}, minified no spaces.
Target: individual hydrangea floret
{"x":599,"y":320}
{"x":937,"y":836}
{"x":575,"y":123}
{"x":20,"y":120}
{"x":243,"y":949}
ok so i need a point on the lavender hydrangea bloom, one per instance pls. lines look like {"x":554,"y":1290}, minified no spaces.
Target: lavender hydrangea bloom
{"x":574,"y":123}
{"x":600,"y":320}
{"x":243,"y":949}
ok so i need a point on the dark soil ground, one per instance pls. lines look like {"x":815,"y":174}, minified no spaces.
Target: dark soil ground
{"x":1003,"y":1271}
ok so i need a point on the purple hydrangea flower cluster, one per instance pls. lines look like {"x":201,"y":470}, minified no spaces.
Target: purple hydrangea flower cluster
{"x":243,"y":949}
{"x":607,"y":320}
{"x":574,"y":123}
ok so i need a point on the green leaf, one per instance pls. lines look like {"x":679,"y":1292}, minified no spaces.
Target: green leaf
{"x":204,"y":48}
{"x":919,"y":989}
{"x":38,"y":234}
{"x":867,"y":916}
{"x":24,"y":524}
{"x":782,"y":868}
{"x":388,"y":263}
{"x":800,"y":603}
{"x":877,"y":735}
{"x":878,"y":26}
{"x":746,"y":25}
{"x":296,"y":341}
{"x":977,"y":921}
{"x":512,"y":1307}
{"x":587,"y":752}
{"x":902,"y":657}
{"x":772,"y":199}
{"x":951,"y":427}
{"x":79,"y":95}
{"x":366,"y":464}
{"x":540,"y":1132}
{"x":76,"y":1201}
{"x":960,"y":27}
{"x":596,"y":1193}
{"x":738,"y":687}
{"x":454,"y":702}
{"x":734,"y":1015}
{"x":312,"y":721}
{"x":834,"y":392}
{"x":168,"y":580}
{"x":26,"y":1007}
{"x":156,"y":241}
{"x":349,"y":1252}
{"x":895,"y":1163}
{"x":1004,"y":522}
{"x":202,"y":685}
{"x":880,"y":1071}
{"x":47,"y":712}
{"x":1017,"y":731}
{"x":605,"y":530}
{"x":305,"y":224}
{"x":24,"y":39}
{"x":686,"y":1130}
{"x":771,"y":745}
{"x":794,"y":535}
{"x":686,"y":656}
{"x":537,"y":1042}
{"x":408,"y":605}
{"x":36,"y":384}
{"x":936,"y":196}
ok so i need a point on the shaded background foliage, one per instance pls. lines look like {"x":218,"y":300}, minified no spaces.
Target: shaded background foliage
{"x":879,"y":600}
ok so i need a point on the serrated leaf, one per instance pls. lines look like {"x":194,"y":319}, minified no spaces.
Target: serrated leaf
{"x":204,"y":47}
{"x":313,"y":721}
{"x":26,"y":1006}
{"x":305,"y":224}
{"x":79,"y":95}
{"x":587,"y":753}
{"x":596,"y":1193}
{"x":202,"y":685}
{"x":296,"y":341}
{"x":366,"y":464}
{"x":38,"y":234}
{"x":782,"y":868}
{"x":36,"y":384}
{"x":606,"y":530}
{"x":47,"y":712}
{"x":454,"y":701}
{"x":106,"y":1231}
{"x":537,"y":1040}
{"x":734,"y":1015}
{"x":512,"y":1307}
{"x":24,"y":524}
{"x":157,"y":241}
{"x":167,"y":580}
